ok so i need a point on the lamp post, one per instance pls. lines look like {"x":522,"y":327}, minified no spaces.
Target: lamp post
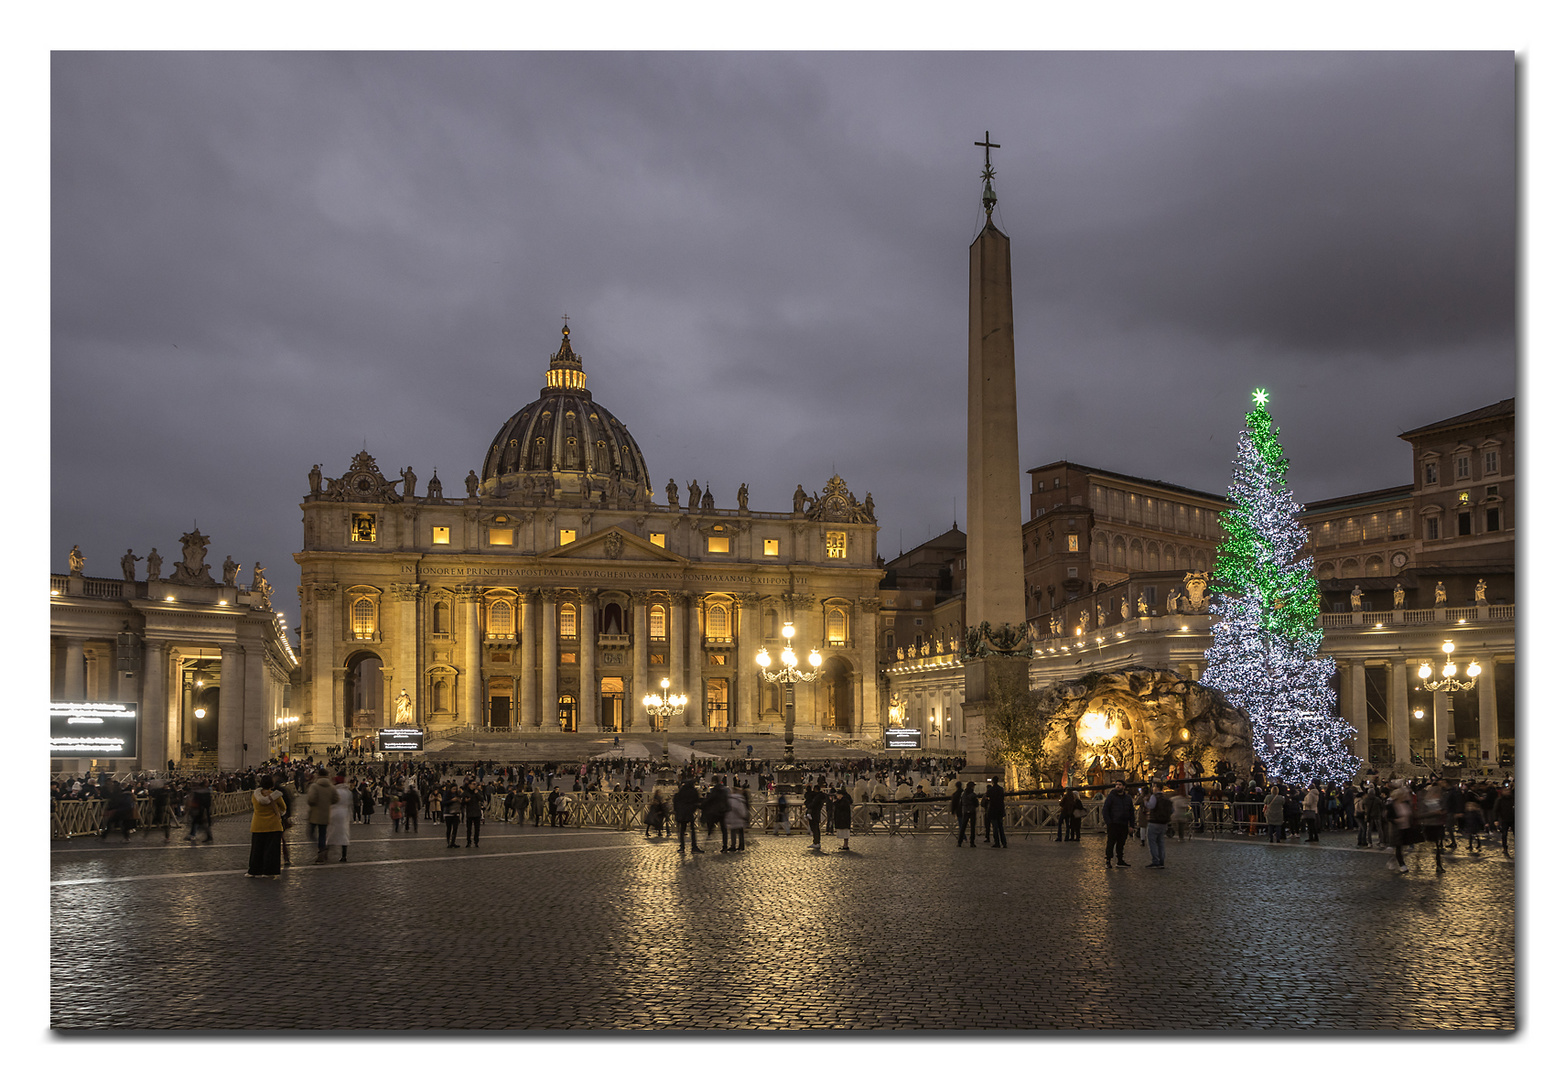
{"x":1448,"y":683}
{"x":662,"y":707}
{"x":788,"y":674}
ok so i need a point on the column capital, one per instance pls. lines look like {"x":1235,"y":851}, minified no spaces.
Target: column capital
{"x":750,"y":601}
{"x":869,"y":605}
{"x":548,"y":596}
{"x":471,"y":594}
{"x":587,"y":595}
{"x":641,"y":598}
{"x":407,"y":590}
{"x":325,"y":591}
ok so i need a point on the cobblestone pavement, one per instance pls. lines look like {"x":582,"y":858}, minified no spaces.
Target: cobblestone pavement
{"x":568,"y":928}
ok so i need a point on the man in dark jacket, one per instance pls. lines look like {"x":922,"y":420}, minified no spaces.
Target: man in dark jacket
{"x":969,"y":819}
{"x":473,"y":808}
{"x":814,"y":810}
{"x":451,"y":810}
{"x":1119,"y":814}
{"x":994,"y":813}
{"x":714,"y":809}
{"x":686,"y":800}
{"x":1160,"y":810}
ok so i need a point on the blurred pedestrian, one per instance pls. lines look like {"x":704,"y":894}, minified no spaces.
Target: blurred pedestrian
{"x":686,"y":800}
{"x":319,"y":797}
{"x":842,"y":815}
{"x":266,"y":830}
{"x":341,"y":818}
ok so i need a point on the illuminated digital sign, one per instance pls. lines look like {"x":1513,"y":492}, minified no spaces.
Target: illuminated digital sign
{"x":904,"y":738}
{"x":92,"y":729}
{"x":400,"y":739}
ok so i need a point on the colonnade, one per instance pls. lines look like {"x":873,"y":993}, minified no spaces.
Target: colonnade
{"x":1401,"y":681}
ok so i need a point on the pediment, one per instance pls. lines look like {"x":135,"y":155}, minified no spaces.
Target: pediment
{"x":616,"y":544}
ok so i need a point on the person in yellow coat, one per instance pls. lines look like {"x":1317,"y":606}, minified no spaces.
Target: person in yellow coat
{"x":266,"y":831}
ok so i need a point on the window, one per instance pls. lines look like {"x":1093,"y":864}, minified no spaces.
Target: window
{"x":1464,"y":524}
{"x":717,"y":620}
{"x":1491,"y":461}
{"x":659,"y":539}
{"x":567,"y":658}
{"x":1432,"y":528}
{"x":441,"y":534}
{"x":1056,"y":481}
{"x":567,"y":536}
{"x":1431,"y":473}
{"x":500,"y":536}
{"x":1491,"y":519}
{"x":500,"y":621}
{"x":1070,"y":571}
{"x":717,"y":545}
{"x":657,"y":622}
{"x":440,"y":617}
{"x":1464,"y":467}
{"x":363,"y":618}
{"x":567,"y":620}
{"x":363,"y":528}
{"x":836,"y":545}
{"x":836,"y":626}
{"x":769,"y":547}
{"x":1072,"y":542}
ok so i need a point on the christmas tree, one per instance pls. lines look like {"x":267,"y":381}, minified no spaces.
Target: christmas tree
{"x":1264,"y":651}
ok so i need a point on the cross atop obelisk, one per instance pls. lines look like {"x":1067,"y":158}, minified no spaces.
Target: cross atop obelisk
{"x":988,"y":175}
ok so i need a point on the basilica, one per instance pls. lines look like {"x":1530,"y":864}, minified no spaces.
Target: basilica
{"x":558,"y":589}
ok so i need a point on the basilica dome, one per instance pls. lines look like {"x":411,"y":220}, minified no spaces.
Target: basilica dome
{"x":566,"y":445}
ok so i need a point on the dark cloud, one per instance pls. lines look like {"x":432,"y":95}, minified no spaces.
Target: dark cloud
{"x":263,"y":261}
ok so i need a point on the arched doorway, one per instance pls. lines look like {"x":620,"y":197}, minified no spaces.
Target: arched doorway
{"x":611,"y":696}
{"x":363,"y":694}
{"x":838,"y":689}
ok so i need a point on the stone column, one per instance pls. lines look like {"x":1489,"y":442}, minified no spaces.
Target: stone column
{"x":548,"y":660}
{"x":323,"y":699}
{"x":1358,"y":709}
{"x":160,"y":744}
{"x":590,"y":697}
{"x":678,"y":631}
{"x":231,"y":710}
{"x":408,"y":648}
{"x":745,"y":710}
{"x":527,"y":683}
{"x":1443,"y":733}
{"x":869,"y":720}
{"x":471,"y":711}
{"x":1397,"y":676}
{"x":808,"y":629}
{"x":1488,"y":714}
{"x":74,"y":684}
{"x":638,"y":657}
{"x":256,"y":721}
{"x":695,"y":710}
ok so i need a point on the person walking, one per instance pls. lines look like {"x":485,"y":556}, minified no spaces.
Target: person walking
{"x":410,"y":805}
{"x":714,"y":810}
{"x":1160,"y":809}
{"x":473,"y":808}
{"x":969,"y":819}
{"x":814,"y":810}
{"x":737,"y":818}
{"x":1399,"y":823}
{"x":842,"y":815}
{"x":994,"y":813}
{"x":266,"y":830}
{"x":161,"y":814}
{"x":686,"y":801}
{"x":1505,"y":817}
{"x":199,"y":806}
{"x":1310,"y":812}
{"x":279,"y":785}
{"x":341,"y":817}
{"x":1431,"y":815}
{"x":1071,"y":813}
{"x":1119,"y":813}
{"x":451,"y":811}
{"x":319,"y":798}
{"x":1275,"y":807}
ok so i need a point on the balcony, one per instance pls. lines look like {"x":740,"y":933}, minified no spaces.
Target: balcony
{"x":613,"y":641}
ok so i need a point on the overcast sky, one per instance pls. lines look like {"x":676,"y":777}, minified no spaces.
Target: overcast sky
{"x":263,"y":261}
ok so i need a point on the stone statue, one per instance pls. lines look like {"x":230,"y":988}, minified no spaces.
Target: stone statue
{"x":230,"y":570}
{"x":1356,"y":598}
{"x":1481,"y":592}
{"x":436,"y":491}
{"x":1141,"y":606}
{"x":472,"y":484}
{"x":1173,"y":602}
{"x":744,"y":496}
{"x":408,"y":480}
{"x":706,"y":499}
{"x":798,"y":499}
{"x":1398,"y":597}
{"x":901,"y":653}
{"x":673,"y":494}
{"x":404,"y":709}
{"x":695,"y":495}
{"x":1081,"y":624}
{"x":128,"y":563}
{"x":78,"y":560}
{"x":1439,"y":593}
{"x":1195,"y":589}
{"x":869,"y":506}
{"x":258,"y":582}
{"x":154,"y":565}
{"x":315,"y":479}
{"x":1102,"y":615}
{"x":1124,"y":607}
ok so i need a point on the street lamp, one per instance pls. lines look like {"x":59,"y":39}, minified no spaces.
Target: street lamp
{"x":662,"y":707}
{"x":1448,"y":683}
{"x":788,"y":674}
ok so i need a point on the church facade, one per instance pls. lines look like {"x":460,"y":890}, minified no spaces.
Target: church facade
{"x":559,"y":589}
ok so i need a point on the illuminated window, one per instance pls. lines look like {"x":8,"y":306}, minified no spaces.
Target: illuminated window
{"x":769,"y":547}
{"x":657,"y":622}
{"x":660,"y":539}
{"x":717,"y":621}
{"x":363,"y":618}
{"x":441,"y":534}
{"x":567,"y":620}
{"x":500,"y":621}
{"x":717,"y":545}
{"x":502,"y":537}
{"x":567,"y":536}
{"x":1072,"y":542}
{"x":836,"y":626}
{"x":363,"y":528}
{"x":836,"y":545}
{"x":1463,"y":497}
{"x":567,"y":658}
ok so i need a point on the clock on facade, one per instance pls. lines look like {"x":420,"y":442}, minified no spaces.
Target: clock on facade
{"x":1398,"y":561}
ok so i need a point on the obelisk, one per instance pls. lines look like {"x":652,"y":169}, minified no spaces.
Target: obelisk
{"x":994,"y":505}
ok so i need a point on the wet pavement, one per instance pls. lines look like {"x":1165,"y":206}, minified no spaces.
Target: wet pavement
{"x":586,"y":929}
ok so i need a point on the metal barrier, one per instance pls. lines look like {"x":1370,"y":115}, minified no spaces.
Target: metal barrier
{"x":70,"y":818}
